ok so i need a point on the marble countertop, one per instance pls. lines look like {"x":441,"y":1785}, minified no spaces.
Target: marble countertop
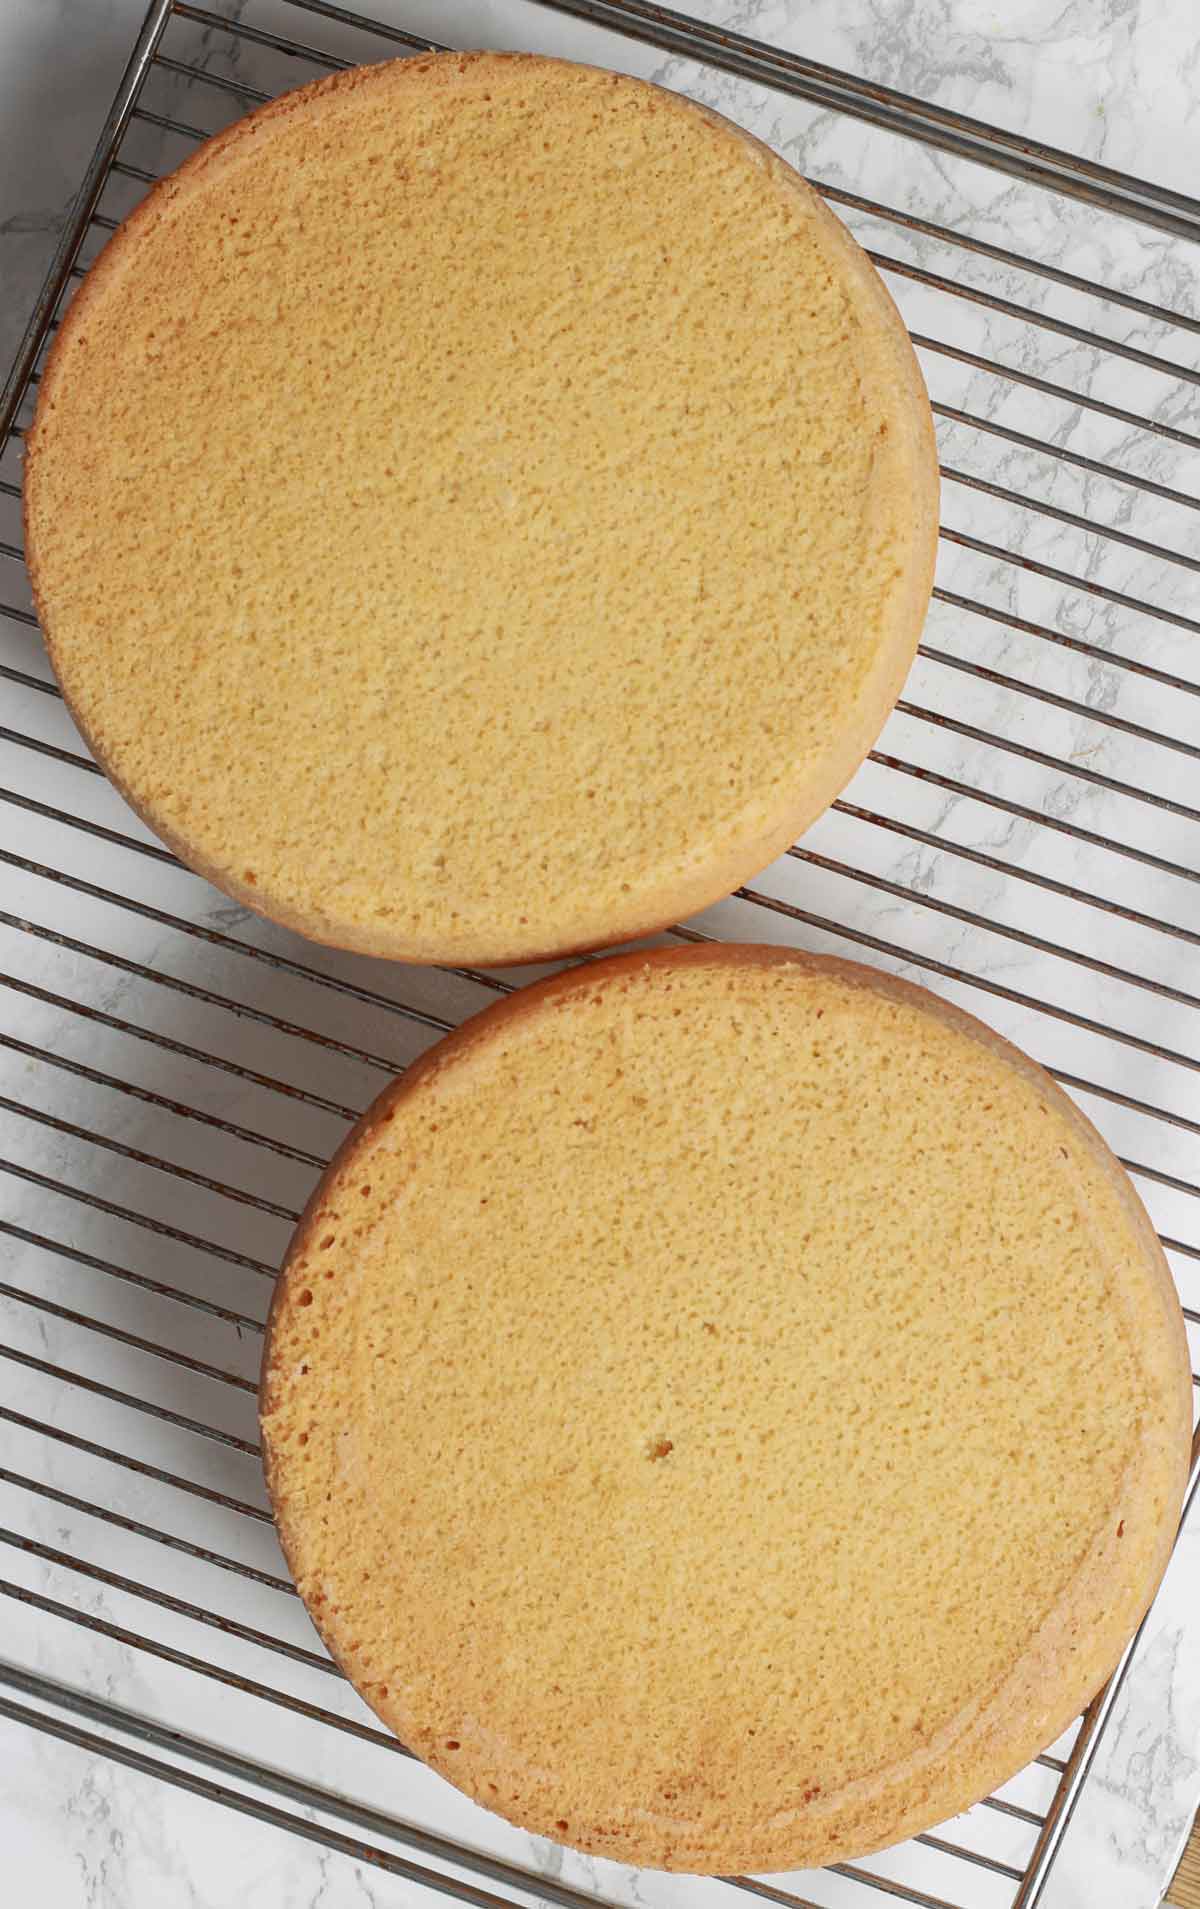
{"x":1115,"y":80}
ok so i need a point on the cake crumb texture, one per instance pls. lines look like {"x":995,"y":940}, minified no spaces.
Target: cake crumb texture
{"x":481,"y":506}
{"x":726,"y":1410}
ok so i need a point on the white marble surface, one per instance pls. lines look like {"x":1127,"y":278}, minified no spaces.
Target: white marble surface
{"x":1116,"y":80}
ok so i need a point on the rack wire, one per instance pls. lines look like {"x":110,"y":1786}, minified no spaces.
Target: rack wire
{"x":177,"y":1072}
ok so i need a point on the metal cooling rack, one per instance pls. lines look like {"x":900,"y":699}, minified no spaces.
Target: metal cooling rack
{"x":1023,"y":839}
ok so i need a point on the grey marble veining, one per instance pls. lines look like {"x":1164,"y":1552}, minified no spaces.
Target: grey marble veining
{"x":984,"y":857}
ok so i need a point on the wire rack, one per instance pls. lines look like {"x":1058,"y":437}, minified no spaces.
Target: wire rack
{"x":177,"y":1072}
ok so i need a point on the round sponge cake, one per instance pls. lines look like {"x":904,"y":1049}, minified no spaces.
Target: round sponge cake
{"x":726,"y":1410}
{"x":481,"y":506}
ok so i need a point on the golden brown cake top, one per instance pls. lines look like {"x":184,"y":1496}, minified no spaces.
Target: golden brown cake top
{"x":480,"y":506}
{"x":684,"y":1415}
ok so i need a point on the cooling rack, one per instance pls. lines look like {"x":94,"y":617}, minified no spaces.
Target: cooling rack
{"x":1024,"y":839}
